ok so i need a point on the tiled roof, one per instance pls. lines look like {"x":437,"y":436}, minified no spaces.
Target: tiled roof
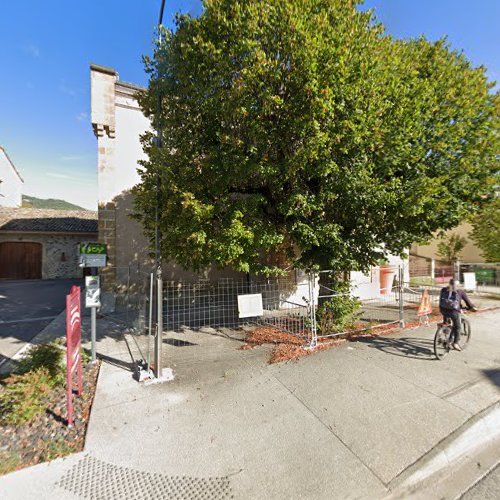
{"x":47,"y":220}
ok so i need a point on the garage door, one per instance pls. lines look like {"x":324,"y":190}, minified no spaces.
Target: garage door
{"x":20,"y":260}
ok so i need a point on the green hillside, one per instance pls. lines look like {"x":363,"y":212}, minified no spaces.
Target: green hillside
{"x":33,"y":202}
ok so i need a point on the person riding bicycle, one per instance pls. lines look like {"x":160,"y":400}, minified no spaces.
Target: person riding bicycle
{"x":450,"y":306}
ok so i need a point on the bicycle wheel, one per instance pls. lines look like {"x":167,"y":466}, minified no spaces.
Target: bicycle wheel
{"x":463,"y":341}
{"x":442,"y":342}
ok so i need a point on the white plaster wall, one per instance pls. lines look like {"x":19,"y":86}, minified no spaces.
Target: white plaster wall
{"x":123,"y":152}
{"x":11,"y":185}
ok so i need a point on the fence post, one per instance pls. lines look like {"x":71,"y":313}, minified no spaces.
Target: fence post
{"x":150,"y":318}
{"x":159,"y":327}
{"x":401,"y":297}
{"x":433,"y":271}
{"x":312,"y":310}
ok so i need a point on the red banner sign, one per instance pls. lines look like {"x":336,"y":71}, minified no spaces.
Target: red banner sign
{"x":73,"y":346}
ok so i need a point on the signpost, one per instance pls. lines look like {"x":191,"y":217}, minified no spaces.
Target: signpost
{"x":93,"y":301}
{"x":93,"y":255}
{"x":73,"y":346}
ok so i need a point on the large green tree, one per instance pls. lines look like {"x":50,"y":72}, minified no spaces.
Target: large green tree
{"x":486,"y":230}
{"x":299,"y":132}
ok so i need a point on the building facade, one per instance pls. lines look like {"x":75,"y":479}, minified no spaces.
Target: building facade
{"x":11,"y":182}
{"x":43,"y":244}
{"x":470,"y":253}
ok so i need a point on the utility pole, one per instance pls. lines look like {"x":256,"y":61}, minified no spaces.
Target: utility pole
{"x":159,"y":279}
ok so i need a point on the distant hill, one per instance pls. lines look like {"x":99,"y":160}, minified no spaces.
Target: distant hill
{"x":32,"y":202}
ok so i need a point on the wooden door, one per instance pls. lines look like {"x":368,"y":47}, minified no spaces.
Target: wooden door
{"x":20,"y":260}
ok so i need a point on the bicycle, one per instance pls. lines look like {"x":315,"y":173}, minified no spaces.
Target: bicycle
{"x":443,"y":337}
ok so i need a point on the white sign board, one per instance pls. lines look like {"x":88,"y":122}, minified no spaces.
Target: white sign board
{"x":470,"y":281}
{"x":92,"y":260}
{"x":250,"y":305}
{"x":92,"y":291}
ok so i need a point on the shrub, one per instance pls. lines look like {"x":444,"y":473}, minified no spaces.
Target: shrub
{"x":23,"y":396}
{"x":9,"y":461}
{"x":48,"y":356}
{"x":340,"y":312}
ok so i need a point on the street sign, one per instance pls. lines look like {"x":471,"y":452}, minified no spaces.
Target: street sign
{"x":93,"y":248}
{"x":93,"y":255}
{"x":92,"y":291}
{"x":425,"y":307}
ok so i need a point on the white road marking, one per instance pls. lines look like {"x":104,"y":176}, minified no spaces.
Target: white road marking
{"x":27,"y":320}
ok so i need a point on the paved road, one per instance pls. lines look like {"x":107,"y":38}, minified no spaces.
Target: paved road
{"x":486,"y":489}
{"x":26,"y":307}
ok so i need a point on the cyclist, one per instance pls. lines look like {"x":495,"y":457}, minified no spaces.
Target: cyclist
{"x":450,"y":306}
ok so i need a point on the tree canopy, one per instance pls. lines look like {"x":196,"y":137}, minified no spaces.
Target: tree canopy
{"x":486,"y":230}
{"x":298,"y":132}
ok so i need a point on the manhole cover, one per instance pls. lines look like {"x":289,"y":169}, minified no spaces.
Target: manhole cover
{"x":97,"y":480}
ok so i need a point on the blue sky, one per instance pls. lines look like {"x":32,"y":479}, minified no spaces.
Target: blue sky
{"x":46,"y":49}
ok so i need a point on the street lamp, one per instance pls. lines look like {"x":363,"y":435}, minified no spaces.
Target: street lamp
{"x":159,"y":280}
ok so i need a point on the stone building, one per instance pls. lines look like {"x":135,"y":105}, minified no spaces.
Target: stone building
{"x":11,"y":182}
{"x":118,"y":123}
{"x":36,"y":243}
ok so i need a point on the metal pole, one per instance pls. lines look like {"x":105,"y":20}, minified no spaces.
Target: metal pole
{"x":401,"y":297}
{"x":159,"y":318}
{"x":312,"y":283}
{"x":159,"y":329}
{"x":150,"y":323}
{"x":93,"y":320}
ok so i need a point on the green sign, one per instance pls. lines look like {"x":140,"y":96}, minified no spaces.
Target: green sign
{"x":93,"y":249}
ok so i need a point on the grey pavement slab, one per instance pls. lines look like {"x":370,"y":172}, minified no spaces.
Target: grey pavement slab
{"x":486,"y":489}
{"x":339,"y":424}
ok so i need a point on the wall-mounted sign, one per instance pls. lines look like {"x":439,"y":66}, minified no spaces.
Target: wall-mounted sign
{"x":92,"y":291}
{"x":93,"y":255}
{"x":250,"y":305}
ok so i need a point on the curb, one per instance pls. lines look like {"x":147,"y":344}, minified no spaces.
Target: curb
{"x":458,"y":450}
{"x":56,"y":328}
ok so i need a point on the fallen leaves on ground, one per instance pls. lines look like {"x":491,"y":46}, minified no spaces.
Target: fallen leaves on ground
{"x":288,"y":347}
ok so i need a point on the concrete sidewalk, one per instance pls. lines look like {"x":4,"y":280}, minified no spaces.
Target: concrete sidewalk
{"x":342,"y":423}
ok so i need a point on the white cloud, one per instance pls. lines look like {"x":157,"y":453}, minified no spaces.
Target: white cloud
{"x":60,"y":176}
{"x":83,"y":116}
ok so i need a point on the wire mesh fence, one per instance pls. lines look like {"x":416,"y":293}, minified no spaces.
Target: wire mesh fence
{"x":215,"y":304}
{"x":132,"y":298}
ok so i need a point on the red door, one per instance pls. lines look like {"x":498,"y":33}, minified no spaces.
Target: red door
{"x":20,"y":260}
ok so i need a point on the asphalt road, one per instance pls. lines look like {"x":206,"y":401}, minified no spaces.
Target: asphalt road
{"x":486,"y":489}
{"x":26,"y":307}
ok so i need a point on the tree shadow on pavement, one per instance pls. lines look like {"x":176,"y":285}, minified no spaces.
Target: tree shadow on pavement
{"x":407,"y":347}
{"x":493,"y":375}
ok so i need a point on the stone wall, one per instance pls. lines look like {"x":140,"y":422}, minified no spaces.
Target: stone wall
{"x":59,"y":252}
